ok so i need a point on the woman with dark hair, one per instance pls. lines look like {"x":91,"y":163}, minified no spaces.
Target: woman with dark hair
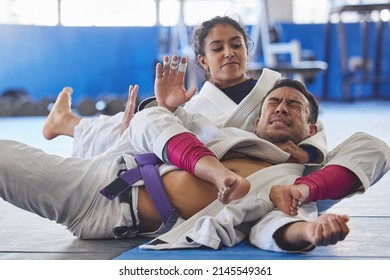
{"x":221,"y":49}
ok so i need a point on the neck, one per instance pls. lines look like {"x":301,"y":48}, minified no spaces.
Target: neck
{"x":228,"y":83}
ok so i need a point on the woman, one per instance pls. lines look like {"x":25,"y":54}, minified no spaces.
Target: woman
{"x":227,"y":97}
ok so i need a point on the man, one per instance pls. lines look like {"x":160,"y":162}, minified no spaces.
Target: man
{"x":289,"y":123}
{"x":67,"y":190}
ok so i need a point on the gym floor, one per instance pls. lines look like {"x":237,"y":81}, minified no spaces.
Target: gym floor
{"x":25,"y":236}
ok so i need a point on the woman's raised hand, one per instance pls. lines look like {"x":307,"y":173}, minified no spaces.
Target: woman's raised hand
{"x":169,"y":83}
{"x":130,"y":108}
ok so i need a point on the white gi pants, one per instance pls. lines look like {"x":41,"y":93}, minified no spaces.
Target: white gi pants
{"x":65,"y":190}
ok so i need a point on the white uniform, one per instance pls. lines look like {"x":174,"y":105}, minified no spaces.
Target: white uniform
{"x":67,"y":190}
{"x":64,"y":190}
{"x":366,"y":156}
{"x":215,"y":105}
{"x":93,"y":136}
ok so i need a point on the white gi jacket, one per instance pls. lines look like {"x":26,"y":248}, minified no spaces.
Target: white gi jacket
{"x":366,"y":156}
{"x":93,"y":136}
{"x":218,"y":225}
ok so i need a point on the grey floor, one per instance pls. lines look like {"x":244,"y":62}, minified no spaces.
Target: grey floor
{"x":26,"y":236}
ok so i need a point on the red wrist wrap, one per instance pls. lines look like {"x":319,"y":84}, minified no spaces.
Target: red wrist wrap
{"x":331,"y":182}
{"x":184,"y":150}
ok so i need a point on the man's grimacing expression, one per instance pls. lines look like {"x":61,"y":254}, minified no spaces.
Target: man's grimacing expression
{"x":284,"y":116}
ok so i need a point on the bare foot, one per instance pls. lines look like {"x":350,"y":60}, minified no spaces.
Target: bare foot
{"x":230,"y":185}
{"x":289,"y":198}
{"x":233,"y":187}
{"x":61,"y":120}
{"x":327,"y":229}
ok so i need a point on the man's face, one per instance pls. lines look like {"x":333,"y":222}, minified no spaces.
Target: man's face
{"x":284,"y":117}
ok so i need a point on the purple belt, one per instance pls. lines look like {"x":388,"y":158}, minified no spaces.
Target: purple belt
{"x":147,"y":170}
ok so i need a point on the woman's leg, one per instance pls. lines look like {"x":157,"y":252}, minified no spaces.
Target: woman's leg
{"x":65,"y":190}
{"x":61,"y":120}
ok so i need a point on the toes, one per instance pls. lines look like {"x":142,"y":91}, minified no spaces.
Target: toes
{"x":222,"y":193}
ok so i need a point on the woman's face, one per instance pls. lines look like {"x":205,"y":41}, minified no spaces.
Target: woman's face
{"x":225,"y":57}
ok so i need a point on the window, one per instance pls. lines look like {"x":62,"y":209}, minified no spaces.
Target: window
{"x":244,"y":9}
{"x":120,"y":12}
{"x":144,"y":12}
{"x":108,"y":13}
{"x":37,"y":12}
{"x":170,"y":10}
{"x":308,"y":11}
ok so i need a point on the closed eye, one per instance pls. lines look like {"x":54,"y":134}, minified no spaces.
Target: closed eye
{"x":217,"y":49}
{"x":236,"y":46}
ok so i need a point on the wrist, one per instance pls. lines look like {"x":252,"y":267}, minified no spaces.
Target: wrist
{"x":312,"y":152}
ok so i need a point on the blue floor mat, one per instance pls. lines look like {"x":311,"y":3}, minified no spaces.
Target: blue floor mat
{"x":356,"y":246}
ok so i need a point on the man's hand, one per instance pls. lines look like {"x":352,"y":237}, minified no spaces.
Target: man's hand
{"x":130,"y":108}
{"x":327,"y":229}
{"x":169,"y":83}
{"x":298,"y":155}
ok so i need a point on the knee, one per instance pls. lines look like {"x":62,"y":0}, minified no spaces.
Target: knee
{"x":373,"y":148}
{"x":151,"y":117}
{"x":148,"y":125}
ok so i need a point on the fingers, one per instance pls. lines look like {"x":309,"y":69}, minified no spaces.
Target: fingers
{"x":183,"y":65}
{"x":68,"y":90}
{"x":159,"y":70}
{"x":337,"y":228}
{"x":294,"y":208}
{"x":342,"y":225}
{"x":169,"y":68}
{"x":190,"y":93}
{"x":332,"y":230}
{"x":166,"y":61}
{"x":295,"y":204}
{"x":166,"y":65}
{"x":172,"y":67}
{"x":130,"y":108}
{"x":174,"y":63}
{"x":132,"y":99}
{"x":132,"y":96}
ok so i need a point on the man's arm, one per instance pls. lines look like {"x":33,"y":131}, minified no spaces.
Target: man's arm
{"x":328,"y":229}
{"x":331,"y":182}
